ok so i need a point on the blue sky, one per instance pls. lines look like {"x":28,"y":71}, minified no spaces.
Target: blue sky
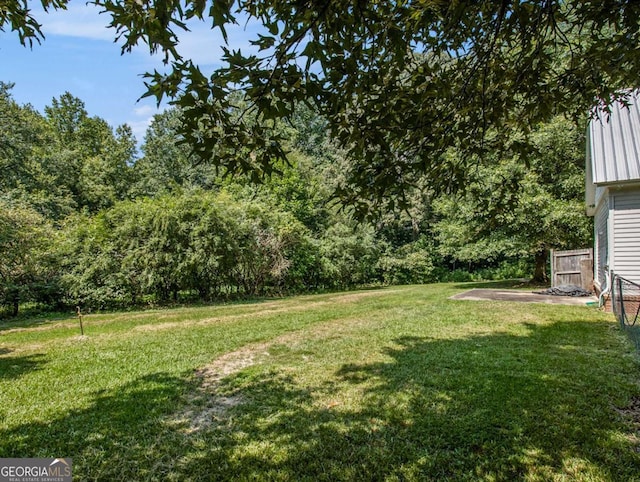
{"x":79,"y":55}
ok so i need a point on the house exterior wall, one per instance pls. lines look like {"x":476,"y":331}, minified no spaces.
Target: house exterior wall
{"x":612,"y":193}
{"x":601,"y":242}
{"x":625,"y":231}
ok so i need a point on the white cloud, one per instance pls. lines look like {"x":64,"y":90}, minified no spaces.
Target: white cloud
{"x":78,"y":20}
{"x":201,"y":43}
{"x":145,"y":111}
{"x":139,"y":128}
{"x":140,"y":118}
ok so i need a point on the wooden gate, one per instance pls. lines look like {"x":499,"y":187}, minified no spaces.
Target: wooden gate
{"x":573,"y":267}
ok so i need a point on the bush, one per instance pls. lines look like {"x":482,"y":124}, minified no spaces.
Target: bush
{"x":199,"y":243}
{"x":349,"y":256}
{"x":27,"y":270}
{"x":408,"y":265}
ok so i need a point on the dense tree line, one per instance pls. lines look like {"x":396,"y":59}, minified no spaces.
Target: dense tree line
{"x":87,"y":220}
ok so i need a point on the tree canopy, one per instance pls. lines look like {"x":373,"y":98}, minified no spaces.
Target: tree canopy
{"x":520,"y":207}
{"x":399,"y":83}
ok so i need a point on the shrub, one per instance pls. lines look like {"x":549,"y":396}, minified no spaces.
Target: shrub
{"x":27,"y":271}
{"x":408,"y":265}
{"x":349,"y":256}
{"x":202,"y":243}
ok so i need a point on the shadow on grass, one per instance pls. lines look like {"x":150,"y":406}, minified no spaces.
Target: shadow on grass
{"x":495,"y":407}
{"x":633,"y":332}
{"x":32,"y":322}
{"x":12,"y":367}
{"x":514,"y":284}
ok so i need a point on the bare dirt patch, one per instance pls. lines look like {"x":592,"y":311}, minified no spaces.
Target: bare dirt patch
{"x":211,"y":375}
{"x":208,"y":408}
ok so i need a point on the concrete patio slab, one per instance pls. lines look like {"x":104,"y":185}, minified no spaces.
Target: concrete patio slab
{"x":522,"y":297}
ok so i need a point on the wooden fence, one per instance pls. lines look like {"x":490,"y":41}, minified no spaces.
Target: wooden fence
{"x":572,"y":268}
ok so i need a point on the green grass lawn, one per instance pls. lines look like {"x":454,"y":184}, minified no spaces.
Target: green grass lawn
{"x":394,"y":384}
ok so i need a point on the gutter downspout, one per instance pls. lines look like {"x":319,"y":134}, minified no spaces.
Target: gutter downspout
{"x":607,"y":287}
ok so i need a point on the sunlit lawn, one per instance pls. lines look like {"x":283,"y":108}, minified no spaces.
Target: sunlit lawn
{"x":396,"y":384}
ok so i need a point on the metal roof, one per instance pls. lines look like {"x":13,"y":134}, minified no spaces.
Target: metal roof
{"x":614,"y":143}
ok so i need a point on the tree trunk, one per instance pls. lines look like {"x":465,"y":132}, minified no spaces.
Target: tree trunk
{"x":540,"y":271}
{"x":16,"y":307}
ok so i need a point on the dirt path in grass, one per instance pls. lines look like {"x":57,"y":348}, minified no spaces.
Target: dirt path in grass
{"x":252,"y":310}
{"x":207,"y":408}
{"x":272,"y":308}
{"x":153,"y":324}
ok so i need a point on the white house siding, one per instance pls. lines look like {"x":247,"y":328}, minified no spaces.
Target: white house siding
{"x":626,"y":229}
{"x":612,"y":192}
{"x":601,"y":238}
